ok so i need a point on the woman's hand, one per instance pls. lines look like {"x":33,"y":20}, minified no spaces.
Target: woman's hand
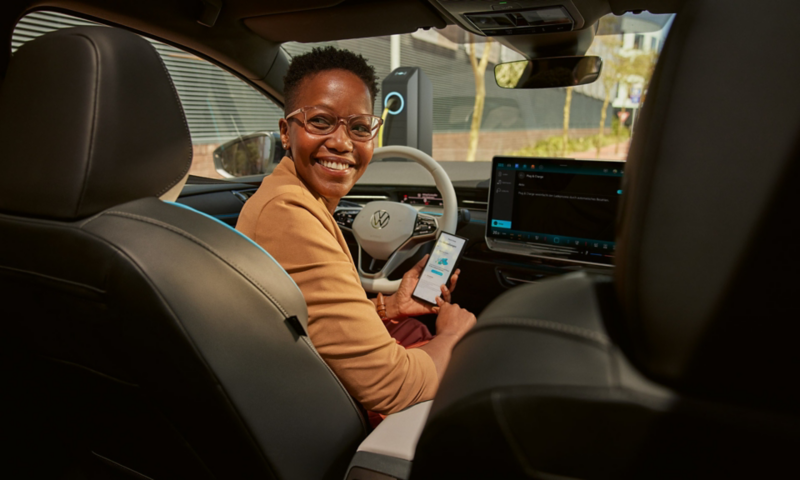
{"x":453,"y":320}
{"x":451,"y":324}
{"x":402,"y":304}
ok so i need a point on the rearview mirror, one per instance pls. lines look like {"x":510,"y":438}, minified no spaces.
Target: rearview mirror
{"x":548,"y":72}
{"x":254,"y":154}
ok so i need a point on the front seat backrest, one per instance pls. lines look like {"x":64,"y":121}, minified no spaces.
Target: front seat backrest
{"x":140,"y":337}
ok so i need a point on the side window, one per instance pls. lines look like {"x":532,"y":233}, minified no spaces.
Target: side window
{"x":219,"y":107}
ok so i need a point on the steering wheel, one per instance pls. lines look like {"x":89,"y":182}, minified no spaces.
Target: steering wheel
{"x":392,"y":232}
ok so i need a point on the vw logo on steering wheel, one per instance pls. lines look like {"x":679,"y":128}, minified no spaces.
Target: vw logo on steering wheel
{"x":379,"y":219}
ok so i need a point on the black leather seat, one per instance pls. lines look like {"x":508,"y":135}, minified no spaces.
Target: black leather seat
{"x":139,"y":339}
{"x":685,"y":364}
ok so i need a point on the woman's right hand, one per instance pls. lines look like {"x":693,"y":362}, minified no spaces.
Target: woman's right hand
{"x":452,"y":319}
{"x":451,"y":324}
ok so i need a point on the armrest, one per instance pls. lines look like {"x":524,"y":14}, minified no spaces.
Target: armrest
{"x":388,"y":451}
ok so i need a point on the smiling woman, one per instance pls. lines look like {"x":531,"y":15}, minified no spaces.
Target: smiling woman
{"x":328,"y":135}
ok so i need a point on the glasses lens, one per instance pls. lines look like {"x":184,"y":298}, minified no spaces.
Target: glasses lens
{"x":320,"y":121}
{"x":362,"y":127}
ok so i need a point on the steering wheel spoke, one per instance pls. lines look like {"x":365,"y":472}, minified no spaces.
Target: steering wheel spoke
{"x":426,"y":225}
{"x":393,"y":232}
{"x":345,"y":216}
{"x":408,"y":250}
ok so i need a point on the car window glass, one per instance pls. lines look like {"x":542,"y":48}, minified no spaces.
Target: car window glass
{"x":593,"y":121}
{"x":219,"y":107}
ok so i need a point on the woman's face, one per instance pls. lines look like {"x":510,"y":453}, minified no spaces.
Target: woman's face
{"x":344,"y":94}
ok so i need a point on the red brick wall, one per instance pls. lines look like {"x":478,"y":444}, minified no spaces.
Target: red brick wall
{"x":453,"y":146}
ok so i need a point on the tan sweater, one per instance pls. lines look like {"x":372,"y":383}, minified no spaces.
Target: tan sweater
{"x":294,"y":225}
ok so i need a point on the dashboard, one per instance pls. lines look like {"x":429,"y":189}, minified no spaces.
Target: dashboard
{"x":485,"y":272}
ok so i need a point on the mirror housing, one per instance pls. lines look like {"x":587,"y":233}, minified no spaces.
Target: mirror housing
{"x":253,"y":154}
{"x":548,"y":72}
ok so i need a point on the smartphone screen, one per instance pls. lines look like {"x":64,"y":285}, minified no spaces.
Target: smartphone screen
{"x":440,"y":267}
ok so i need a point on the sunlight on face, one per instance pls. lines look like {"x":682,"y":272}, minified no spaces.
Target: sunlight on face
{"x":329,"y":164}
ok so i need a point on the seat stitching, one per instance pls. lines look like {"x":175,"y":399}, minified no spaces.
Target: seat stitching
{"x":54,"y":279}
{"x":91,"y":370}
{"x":124,"y":468}
{"x":96,"y":105}
{"x":585,"y":333}
{"x":185,"y":123}
{"x":205,"y":246}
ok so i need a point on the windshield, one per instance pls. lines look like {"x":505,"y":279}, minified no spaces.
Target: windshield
{"x":591,"y":121}
{"x":472,"y":118}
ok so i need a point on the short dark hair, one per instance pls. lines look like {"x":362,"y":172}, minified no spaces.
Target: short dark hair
{"x":321,"y":59}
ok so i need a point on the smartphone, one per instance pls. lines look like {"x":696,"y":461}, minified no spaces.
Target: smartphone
{"x":440,"y":267}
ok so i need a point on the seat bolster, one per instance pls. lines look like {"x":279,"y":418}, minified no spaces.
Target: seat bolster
{"x":535,"y":370}
{"x":548,"y":334}
{"x":240,"y":254}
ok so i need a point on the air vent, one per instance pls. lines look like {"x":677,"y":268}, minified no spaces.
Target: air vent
{"x":473,"y":199}
{"x":364,"y":199}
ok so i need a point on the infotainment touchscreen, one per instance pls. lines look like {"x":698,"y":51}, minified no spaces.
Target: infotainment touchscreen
{"x":554,"y":208}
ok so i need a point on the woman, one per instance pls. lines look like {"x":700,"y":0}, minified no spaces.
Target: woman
{"x":328,"y":134}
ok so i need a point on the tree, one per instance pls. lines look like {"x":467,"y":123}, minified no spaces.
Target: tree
{"x":621,"y":68}
{"x":478,"y":70}
{"x":508,"y":74}
{"x":607,"y":47}
{"x":565,"y":136}
{"x":635,"y":67}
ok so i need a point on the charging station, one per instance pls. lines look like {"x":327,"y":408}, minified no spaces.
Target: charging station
{"x":408,"y":94}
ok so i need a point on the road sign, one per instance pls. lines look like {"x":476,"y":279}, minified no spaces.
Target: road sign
{"x":636,"y":94}
{"x":623,"y":116}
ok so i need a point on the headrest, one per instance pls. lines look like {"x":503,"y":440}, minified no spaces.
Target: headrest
{"x":89,"y":119}
{"x":707,"y":240}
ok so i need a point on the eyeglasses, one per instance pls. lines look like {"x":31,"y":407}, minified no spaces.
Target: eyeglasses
{"x":321,"y":121}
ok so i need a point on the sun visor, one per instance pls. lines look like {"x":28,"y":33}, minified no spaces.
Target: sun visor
{"x":347,"y":20}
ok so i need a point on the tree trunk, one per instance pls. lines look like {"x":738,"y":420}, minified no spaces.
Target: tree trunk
{"x":621,"y":126}
{"x":565,"y":138}
{"x":478,"y":70}
{"x":600,"y":131}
